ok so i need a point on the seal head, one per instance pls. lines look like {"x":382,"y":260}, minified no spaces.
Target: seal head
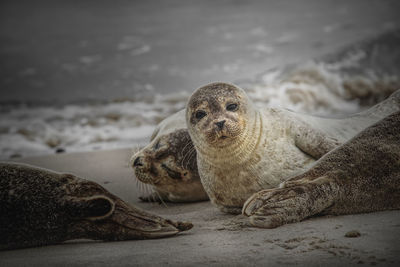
{"x":169,"y":164}
{"x":218,"y":115}
{"x":41,"y":207}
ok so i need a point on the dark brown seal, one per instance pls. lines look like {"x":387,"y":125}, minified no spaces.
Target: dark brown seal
{"x":363,"y":175}
{"x":41,"y":207}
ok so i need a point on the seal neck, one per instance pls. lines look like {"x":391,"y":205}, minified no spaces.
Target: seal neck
{"x":239,"y":151}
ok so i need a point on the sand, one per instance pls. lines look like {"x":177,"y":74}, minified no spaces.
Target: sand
{"x":217,"y":239}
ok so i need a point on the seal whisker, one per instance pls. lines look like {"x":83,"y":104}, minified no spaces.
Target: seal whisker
{"x":161,"y":199}
{"x":191,"y":148}
{"x":187,"y":158}
{"x":184,"y":148}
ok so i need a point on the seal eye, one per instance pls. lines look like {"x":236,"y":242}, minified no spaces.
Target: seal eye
{"x":232,"y":107}
{"x":200,"y":114}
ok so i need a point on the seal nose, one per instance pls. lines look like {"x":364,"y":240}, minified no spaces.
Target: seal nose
{"x":220,"y":124}
{"x":137,"y":163}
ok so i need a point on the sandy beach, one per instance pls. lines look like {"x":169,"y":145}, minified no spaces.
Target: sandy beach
{"x":217,"y":239}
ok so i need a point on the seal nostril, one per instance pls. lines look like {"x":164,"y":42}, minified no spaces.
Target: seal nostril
{"x":220,"y":124}
{"x":137,"y":162}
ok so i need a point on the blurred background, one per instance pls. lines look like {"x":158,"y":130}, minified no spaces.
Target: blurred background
{"x":80,"y":75}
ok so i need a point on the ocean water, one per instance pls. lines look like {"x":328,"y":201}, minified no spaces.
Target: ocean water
{"x":58,"y":51}
{"x":340,"y":83}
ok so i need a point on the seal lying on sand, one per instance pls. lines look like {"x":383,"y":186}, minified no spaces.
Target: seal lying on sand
{"x":363,"y":175}
{"x":41,"y":207}
{"x":169,"y":164}
{"x":242,"y":150}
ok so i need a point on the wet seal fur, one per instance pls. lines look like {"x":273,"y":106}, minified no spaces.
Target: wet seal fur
{"x":41,"y":207}
{"x":168,"y":163}
{"x":242,"y":150}
{"x":363,"y":175}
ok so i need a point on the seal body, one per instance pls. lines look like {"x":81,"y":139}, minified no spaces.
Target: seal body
{"x":42,"y":207}
{"x":168,"y":163}
{"x":242,"y":149}
{"x":363,"y":175}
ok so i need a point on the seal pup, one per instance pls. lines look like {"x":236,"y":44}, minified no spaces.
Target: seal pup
{"x":363,"y":175}
{"x":242,"y":150}
{"x":41,"y":207}
{"x":168,"y":163}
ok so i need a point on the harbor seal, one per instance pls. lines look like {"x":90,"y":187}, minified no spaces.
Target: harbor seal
{"x":168,"y":163}
{"x":242,"y":149}
{"x":363,"y":175}
{"x":41,"y":207}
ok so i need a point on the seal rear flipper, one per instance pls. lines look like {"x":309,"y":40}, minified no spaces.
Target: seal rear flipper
{"x":274,"y":207}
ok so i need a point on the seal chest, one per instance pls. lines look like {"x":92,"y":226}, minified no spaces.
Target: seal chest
{"x":253,"y":163}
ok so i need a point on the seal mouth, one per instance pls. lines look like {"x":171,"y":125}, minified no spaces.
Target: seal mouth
{"x":146,"y":178}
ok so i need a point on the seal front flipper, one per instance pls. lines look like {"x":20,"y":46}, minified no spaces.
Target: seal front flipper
{"x":274,"y":207}
{"x":312,"y":141}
